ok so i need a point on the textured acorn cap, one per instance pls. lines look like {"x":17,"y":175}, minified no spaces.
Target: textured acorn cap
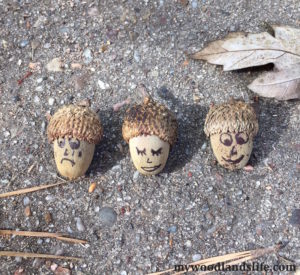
{"x":150,"y":118}
{"x":75,"y":121}
{"x":231,"y":117}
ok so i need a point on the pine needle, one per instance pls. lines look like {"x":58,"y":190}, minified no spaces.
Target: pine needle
{"x":35,"y":255}
{"x":29,"y":190}
{"x":229,"y":259}
{"x":58,"y":236}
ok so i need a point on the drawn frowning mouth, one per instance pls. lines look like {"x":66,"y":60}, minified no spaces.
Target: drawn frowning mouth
{"x":72,"y":162}
{"x":234,"y":161}
{"x":151,"y":169}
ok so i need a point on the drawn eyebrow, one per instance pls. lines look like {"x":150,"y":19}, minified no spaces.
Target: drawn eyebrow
{"x":157,"y":152}
{"x":141,"y":152}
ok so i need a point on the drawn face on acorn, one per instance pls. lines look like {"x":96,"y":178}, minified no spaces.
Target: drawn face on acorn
{"x":232,"y":150}
{"x":149,"y":153}
{"x":231,"y":127}
{"x":150,"y":129}
{"x":74,"y":131}
{"x":72,"y":156}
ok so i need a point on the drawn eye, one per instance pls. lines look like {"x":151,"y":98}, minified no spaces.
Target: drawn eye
{"x":157,"y":152}
{"x":141,"y":152}
{"x":226,"y":139}
{"x":61,"y":143}
{"x":74,"y":144}
{"x":241,"y":138}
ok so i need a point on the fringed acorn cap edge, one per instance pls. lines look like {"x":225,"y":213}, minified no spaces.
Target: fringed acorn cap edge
{"x":233,"y":117}
{"x":150,"y":118}
{"x":75,"y":121}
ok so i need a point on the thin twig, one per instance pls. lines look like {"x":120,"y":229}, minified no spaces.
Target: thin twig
{"x":35,"y":255}
{"x":230,"y":259}
{"x":28,"y":190}
{"x":58,"y":236}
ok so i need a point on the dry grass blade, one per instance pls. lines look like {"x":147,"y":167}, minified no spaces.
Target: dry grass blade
{"x":29,"y":190}
{"x":35,"y":255}
{"x":229,"y":259}
{"x":58,"y":236}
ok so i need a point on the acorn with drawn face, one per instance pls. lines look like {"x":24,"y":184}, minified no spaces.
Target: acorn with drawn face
{"x":74,"y":131}
{"x":150,"y":129}
{"x":231,"y":127}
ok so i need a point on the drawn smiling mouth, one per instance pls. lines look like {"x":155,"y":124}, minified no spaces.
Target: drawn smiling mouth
{"x":72,"y":162}
{"x":151,"y":169}
{"x":234,"y":161}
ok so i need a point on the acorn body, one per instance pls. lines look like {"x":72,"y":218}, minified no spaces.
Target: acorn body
{"x":232,"y":150}
{"x":74,"y":131}
{"x":150,"y":129}
{"x":149,"y":154}
{"x":72,"y":157}
{"x":231,"y":128}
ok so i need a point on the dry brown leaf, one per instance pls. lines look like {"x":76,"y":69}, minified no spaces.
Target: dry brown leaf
{"x":241,"y":50}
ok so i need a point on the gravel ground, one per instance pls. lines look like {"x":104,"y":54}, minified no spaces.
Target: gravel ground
{"x":135,"y":224}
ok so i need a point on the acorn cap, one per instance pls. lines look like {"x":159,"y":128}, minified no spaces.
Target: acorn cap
{"x":74,"y":121}
{"x":150,"y":118}
{"x":231,"y":117}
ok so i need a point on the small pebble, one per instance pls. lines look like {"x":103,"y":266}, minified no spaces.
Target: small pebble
{"x":39,"y":89}
{"x":50,"y":198}
{"x":196,"y":257}
{"x":136,"y":176}
{"x":27,"y":211}
{"x":24,"y":43}
{"x":43,"y":126}
{"x":87,"y":54}
{"x":36,"y":99}
{"x":39,"y":241}
{"x":18,"y":259}
{"x":48,"y":217}
{"x":92,"y":187}
{"x":62,"y":271}
{"x":6,"y":134}
{"x":37,"y":262}
{"x":107,"y":216}
{"x":172,"y":229}
{"x":136,"y":56}
{"x":204,"y":146}
{"x":188,"y":243}
{"x":39,"y":80}
{"x":51,"y":101}
{"x":194,"y":4}
{"x":54,"y":266}
{"x":79,"y":225}
{"x":102,"y":85}
{"x":16,"y":98}
{"x":26,"y":201}
{"x":116,"y":168}
{"x":123,"y":272}
{"x":295,"y":218}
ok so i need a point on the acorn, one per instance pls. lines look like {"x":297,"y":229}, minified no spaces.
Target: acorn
{"x":231,"y":128}
{"x":74,"y":130}
{"x":151,"y":130}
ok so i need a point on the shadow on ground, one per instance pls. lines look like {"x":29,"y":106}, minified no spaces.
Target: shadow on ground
{"x":273,"y":117}
{"x":108,"y":153}
{"x":190,"y":131}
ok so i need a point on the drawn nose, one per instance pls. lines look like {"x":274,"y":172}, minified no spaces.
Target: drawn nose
{"x":66,"y":152}
{"x":233,"y":151}
{"x":148,"y":160}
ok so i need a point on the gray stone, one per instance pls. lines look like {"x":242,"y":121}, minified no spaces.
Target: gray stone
{"x":107,"y":216}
